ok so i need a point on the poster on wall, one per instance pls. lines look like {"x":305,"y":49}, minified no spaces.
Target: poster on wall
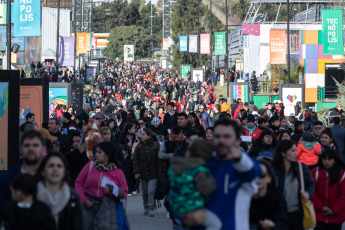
{"x":290,"y":96}
{"x":277,"y":47}
{"x":183,"y":43}
{"x":31,"y":101}
{"x":3,"y":125}
{"x":240,"y":92}
{"x":204,"y":43}
{"x":90,"y":72}
{"x":197,"y":74}
{"x":128,"y":51}
{"x":57,"y":96}
{"x":67,"y":51}
{"x":27,"y":19}
{"x":185,"y":69}
{"x":332,"y":32}
{"x":77,"y":97}
{"x":193,"y":43}
{"x":15,"y":40}
{"x":219,"y":43}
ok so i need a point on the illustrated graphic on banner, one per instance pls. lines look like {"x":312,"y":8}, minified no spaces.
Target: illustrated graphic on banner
{"x":198,"y":74}
{"x":253,"y":29}
{"x":57,"y":96}
{"x":204,"y":43}
{"x":165,"y":44}
{"x":220,"y":47}
{"x":128,"y":53}
{"x":67,"y":51}
{"x":290,"y":96}
{"x":193,"y":43}
{"x":15,"y":40}
{"x":27,"y":18}
{"x":94,"y":42}
{"x":90,"y":72}
{"x":332,"y":32}
{"x":185,"y":69}
{"x":240,"y":92}
{"x":32,"y":49}
{"x":31,"y":101}
{"x":3,"y":125}
{"x":277,"y":47}
{"x":82,"y":45}
{"x":183,"y":43}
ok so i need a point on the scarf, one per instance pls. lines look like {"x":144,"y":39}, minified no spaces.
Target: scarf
{"x":102,"y":167}
{"x":250,"y":130}
{"x":56,"y":202}
{"x":174,"y":140}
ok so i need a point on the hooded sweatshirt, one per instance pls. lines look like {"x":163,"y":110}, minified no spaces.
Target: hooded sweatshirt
{"x":308,"y":152}
{"x":190,"y":184}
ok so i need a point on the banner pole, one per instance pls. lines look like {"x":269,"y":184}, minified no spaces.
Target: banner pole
{"x":8,"y":32}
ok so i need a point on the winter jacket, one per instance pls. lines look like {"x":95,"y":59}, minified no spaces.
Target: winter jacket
{"x":308,"y":125}
{"x":239,"y":107}
{"x":207,"y":119}
{"x":224,"y":107}
{"x":255,"y":134}
{"x":89,"y":181}
{"x":146,"y":161}
{"x":170,"y":120}
{"x":129,"y":104}
{"x":37,"y":217}
{"x":235,"y":187}
{"x":76,"y":161}
{"x":161,"y":130}
{"x":199,"y":129}
{"x":332,"y":196}
{"x":71,"y":216}
{"x":308,"y":181}
{"x":190,"y":184}
{"x":339,"y":137}
{"x":308,"y":152}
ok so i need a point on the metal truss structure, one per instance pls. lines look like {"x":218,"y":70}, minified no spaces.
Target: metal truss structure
{"x":83,"y":18}
{"x":166,"y":18}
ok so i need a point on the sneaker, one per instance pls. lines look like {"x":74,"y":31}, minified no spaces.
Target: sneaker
{"x":146,"y":212}
{"x":151,"y":214}
{"x":129,"y":195}
{"x":134,"y":193}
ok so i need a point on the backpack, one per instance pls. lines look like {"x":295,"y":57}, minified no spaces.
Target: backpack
{"x":211,"y":97}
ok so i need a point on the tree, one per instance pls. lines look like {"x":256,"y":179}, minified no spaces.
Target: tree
{"x":277,"y":71}
{"x":128,"y":35}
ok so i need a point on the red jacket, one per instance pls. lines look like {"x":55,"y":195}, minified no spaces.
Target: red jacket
{"x":332,"y":196}
{"x":237,"y":111}
{"x":308,"y":157}
{"x":255,"y":134}
{"x":178,"y":106}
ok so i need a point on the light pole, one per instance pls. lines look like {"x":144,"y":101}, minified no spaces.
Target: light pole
{"x":8,"y":34}
{"x":57,"y":36}
{"x":288,"y":38}
{"x":226,"y":48}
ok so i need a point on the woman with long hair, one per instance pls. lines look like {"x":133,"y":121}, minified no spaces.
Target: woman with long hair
{"x":54,"y":190}
{"x":267,"y":209}
{"x":88,"y":184}
{"x":288,"y":177}
{"x":195,"y":124}
{"x":284,"y":135}
{"x":114,"y":129}
{"x":265,"y":143}
{"x":129,"y":135}
{"x":209,"y":134}
{"x":327,"y":141}
{"x":148,"y":167}
{"x":329,"y":196}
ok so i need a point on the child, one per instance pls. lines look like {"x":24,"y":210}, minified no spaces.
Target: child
{"x":191,"y":183}
{"x":127,"y":166}
{"x":24,"y":212}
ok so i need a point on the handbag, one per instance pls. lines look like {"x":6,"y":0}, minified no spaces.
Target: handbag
{"x":309,"y":220}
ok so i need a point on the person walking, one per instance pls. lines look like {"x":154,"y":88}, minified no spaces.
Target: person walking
{"x":148,"y":167}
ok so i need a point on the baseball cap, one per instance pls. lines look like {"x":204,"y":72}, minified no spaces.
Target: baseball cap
{"x":201,"y":107}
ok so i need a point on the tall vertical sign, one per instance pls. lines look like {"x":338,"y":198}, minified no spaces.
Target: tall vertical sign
{"x":332,"y":32}
{"x":183,"y":43}
{"x":220,"y":43}
{"x":128,"y":54}
{"x":27,"y":18}
{"x":81,"y":43}
{"x":193,"y":43}
{"x":277,"y":47}
{"x":67,"y":51}
{"x":204,"y":43}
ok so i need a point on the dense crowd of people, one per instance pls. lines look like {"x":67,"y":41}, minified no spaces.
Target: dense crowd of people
{"x":214,"y":164}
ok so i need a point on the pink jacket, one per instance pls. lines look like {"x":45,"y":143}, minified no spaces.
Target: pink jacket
{"x":93,"y":181}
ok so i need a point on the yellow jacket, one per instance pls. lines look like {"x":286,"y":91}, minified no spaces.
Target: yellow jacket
{"x":224,"y":107}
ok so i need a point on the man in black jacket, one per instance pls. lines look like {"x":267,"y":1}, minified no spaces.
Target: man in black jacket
{"x":170,"y":118}
{"x":54,"y":129}
{"x":130,"y":103}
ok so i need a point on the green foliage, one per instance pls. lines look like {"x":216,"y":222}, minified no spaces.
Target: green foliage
{"x":128,"y":35}
{"x":277,"y":73}
{"x":341,"y":92}
{"x":179,"y":27}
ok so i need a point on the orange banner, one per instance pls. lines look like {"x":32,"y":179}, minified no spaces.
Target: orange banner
{"x":165,"y":44}
{"x":277,"y":47}
{"x":83,"y":43}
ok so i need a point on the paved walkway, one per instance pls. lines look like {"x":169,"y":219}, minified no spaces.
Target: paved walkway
{"x":138,"y":221}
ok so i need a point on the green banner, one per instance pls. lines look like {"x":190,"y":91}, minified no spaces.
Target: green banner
{"x":185,"y":69}
{"x":220,"y":44}
{"x":332,"y":32}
